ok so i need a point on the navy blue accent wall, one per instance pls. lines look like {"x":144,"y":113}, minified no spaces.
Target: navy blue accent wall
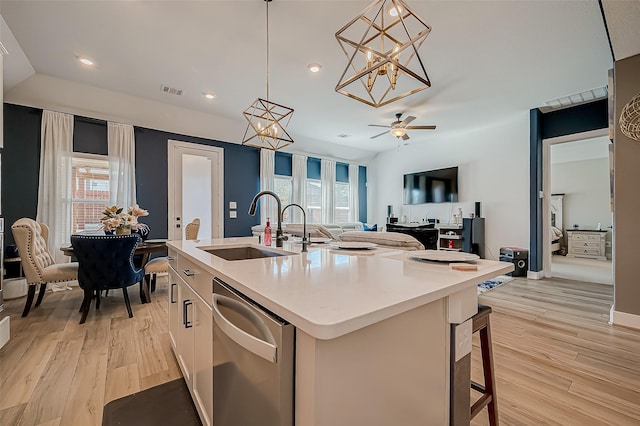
{"x":581,"y":118}
{"x":241,"y":180}
{"x":282,"y":164}
{"x":89,"y":135}
{"x":313,"y":168}
{"x":362,"y":194}
{"x":20,"y":165}
{"x":568,"y":121}
{"x":535,"y":185}
{"x":342,"y":172}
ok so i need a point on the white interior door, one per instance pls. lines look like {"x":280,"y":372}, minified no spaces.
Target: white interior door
{"x":196,"y":189}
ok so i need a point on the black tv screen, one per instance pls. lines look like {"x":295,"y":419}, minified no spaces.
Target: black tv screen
{"x":432,"y":186}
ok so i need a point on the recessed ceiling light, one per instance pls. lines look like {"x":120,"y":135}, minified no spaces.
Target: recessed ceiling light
{"x":86,"y":61}
{"x":314,"y":67}
{"x":209,"y":95}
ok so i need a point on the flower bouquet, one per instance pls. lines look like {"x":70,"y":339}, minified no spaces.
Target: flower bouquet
{"x":115,"y":219}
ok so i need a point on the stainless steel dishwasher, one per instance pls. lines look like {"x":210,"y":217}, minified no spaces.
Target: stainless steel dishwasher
{"x":253,"y":362}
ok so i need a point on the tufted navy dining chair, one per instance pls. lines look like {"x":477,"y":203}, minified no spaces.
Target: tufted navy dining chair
{"x":105,"y":262}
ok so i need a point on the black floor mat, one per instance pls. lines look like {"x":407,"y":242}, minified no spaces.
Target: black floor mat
{"x":167,"y":404}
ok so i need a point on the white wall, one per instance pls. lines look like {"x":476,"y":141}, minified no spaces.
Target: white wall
{"x":586,"y":187}
{"x":493,"y":168}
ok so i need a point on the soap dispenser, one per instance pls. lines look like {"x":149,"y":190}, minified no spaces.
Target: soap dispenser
{"x":267,"y":233}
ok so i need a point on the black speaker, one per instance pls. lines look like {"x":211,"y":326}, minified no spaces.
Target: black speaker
{"x":519,"y":258}
{"x":477,"y":212}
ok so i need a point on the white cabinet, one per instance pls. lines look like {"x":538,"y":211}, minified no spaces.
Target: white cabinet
{"x":191,"y":331}
{"x":588,"y":244}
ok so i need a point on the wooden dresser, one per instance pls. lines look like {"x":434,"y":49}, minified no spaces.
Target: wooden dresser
{"x":586,"y":243}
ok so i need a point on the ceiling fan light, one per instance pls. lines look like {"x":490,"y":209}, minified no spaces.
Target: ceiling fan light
{"x":398,"y":132}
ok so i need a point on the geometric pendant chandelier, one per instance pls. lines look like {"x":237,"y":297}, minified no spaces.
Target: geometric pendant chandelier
{"x":381,"y":45}
{"x":267,"y":121}
{"x":630,"y":118}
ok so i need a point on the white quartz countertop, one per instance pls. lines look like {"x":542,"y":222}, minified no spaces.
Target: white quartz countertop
{"x":328,"y":294}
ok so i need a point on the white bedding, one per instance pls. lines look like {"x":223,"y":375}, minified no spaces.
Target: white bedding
{"x":555,"y":233}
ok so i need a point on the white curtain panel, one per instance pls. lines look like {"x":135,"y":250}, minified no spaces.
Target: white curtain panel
{"x":299,"y":173}
{"x":328,"y":180}
{"x":268,"y":208}
{"x":54,"y":188}
{"x":122,"y":159}
{"x":354,"y":214}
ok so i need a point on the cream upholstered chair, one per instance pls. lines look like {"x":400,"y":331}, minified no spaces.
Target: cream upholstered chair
{"x":161,"y":264}
{"x":37,"y":263}
{"x":192,"y":229}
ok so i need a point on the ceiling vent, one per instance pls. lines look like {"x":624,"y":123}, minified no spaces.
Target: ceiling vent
{"x":576,"y":99}
{"x":171,"y":90}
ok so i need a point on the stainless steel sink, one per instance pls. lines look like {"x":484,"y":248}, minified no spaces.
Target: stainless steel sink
{"x":243,"y":253}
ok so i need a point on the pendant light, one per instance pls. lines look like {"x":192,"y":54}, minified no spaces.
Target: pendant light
{"x":267,"y":121}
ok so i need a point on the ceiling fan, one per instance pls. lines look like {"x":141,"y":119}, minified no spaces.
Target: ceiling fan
{"x":399,"y":128}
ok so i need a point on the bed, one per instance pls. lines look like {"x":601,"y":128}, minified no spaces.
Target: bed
{"x":556,"y":222}
{"x":556,"y":234}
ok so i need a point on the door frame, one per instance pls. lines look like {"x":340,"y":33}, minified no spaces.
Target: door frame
{"x":546,"y":189}
{"x":217,"y":197}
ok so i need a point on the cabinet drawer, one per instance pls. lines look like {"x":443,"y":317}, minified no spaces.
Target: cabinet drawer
{"x":583,"y":244}
{"x":597,"y":237}
{"x":173,"y":258}
{"x":591,"y":251}
{"x":196,"y":277}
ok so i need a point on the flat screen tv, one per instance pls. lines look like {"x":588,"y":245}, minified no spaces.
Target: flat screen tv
{"x":432,"y":186}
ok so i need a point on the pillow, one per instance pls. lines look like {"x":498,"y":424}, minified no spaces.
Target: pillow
{"x":373,"y":227}
{"x":389,"y":239}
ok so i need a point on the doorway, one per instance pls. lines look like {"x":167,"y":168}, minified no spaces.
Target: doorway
{"x":577,"y":204}
{"x":196,"y":189}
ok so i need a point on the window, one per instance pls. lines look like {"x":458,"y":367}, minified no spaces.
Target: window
{"x":282,"y":186}
{"x":314,"y":201}
{"x":341,"y":199}
{"x":90,"y":191}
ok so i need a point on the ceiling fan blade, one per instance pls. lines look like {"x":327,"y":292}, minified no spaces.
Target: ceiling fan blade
{"x":405,"y":137}
{"x":383,"y":133}
{"x":379,"y":125}
{"x":407,"y":120}
{"x":421,"y":127}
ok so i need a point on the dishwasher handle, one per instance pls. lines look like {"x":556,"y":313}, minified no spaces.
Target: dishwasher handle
{"x":263,"y":348}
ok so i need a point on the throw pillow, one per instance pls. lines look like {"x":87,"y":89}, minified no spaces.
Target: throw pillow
{"x":373,"y":227}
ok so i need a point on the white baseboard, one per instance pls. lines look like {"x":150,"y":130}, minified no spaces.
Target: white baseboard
{"x":4,"y":331}
{"x":535,"y":275}
{"x":624,"y":319}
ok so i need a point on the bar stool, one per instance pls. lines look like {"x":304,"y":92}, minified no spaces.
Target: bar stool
{"x":488,"y":391}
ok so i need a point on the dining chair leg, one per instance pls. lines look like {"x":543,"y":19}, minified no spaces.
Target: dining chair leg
{"x":145,"y":297}
{"x":98,"y":298}
{"x":153,"y":282}
{"x":30,"y":295}
{"x":43,"y":288}
{"x":86,"y":304}
{"x":126,"y":301}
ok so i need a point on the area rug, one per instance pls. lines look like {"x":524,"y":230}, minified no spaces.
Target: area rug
{"x":168,"y":404}
{"x":493,"y":283}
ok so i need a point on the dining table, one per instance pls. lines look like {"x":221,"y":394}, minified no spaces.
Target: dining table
{"x":144,"y":249}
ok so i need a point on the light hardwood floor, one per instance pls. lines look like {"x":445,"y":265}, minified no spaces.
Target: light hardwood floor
{"x":558,"y":362}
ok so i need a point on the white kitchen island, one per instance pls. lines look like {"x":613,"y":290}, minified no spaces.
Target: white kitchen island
{"x":372,"y":340}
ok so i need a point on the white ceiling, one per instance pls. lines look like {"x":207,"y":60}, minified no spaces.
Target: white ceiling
{"x":487,"y":60}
